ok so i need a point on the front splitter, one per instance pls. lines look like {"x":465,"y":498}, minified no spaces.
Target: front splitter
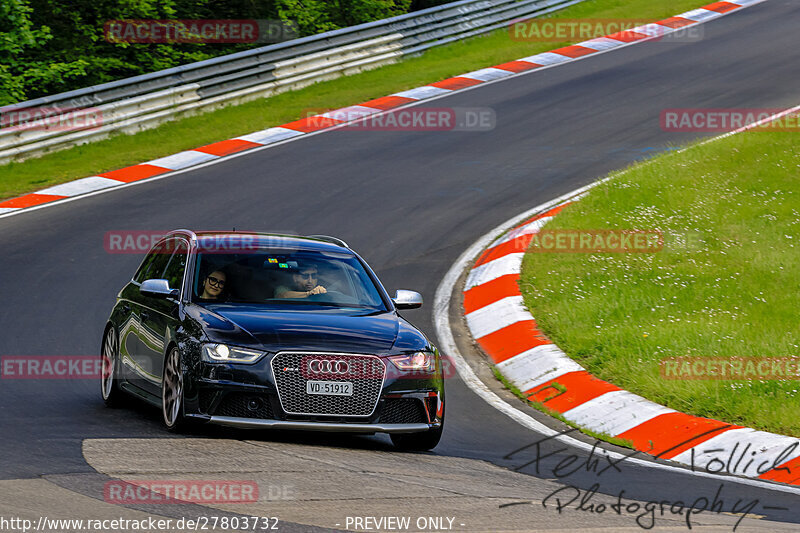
{"x":254,"y":423}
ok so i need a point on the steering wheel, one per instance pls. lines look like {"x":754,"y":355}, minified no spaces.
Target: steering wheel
{"x":333,"y":296}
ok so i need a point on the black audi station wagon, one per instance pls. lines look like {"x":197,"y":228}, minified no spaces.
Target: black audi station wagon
{"x":256,"y":330}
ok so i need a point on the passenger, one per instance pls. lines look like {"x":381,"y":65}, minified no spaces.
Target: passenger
{"x":304,"y":284}
{"x":214,"y":286}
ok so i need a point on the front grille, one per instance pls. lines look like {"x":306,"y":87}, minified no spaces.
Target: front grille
{"x":245,"y":405}
{"x":403,"y":411}
{"x":292,"y":371}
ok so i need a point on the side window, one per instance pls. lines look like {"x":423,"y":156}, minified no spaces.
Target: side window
{"x":177,"y":265}
{"x":156,"y":261}
{"x":139,"y":277}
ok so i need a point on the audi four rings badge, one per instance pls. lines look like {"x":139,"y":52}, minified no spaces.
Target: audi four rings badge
{"x":328,"y":366}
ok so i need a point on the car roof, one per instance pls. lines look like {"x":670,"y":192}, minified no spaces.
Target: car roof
{"x":320,"y":243}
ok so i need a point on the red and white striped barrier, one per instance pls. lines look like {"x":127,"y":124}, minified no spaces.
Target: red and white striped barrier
{"x":507,"y":332}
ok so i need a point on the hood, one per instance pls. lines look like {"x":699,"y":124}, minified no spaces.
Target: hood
{"x":270,"y":330}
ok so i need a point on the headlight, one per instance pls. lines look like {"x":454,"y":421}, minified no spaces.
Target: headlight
{"x":221,"y":353}
{"x":414,"y":362}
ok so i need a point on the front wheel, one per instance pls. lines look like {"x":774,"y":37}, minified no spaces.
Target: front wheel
{"x":109,"y":356}
{"x":418,"y":442}
{"x":172,"y":392}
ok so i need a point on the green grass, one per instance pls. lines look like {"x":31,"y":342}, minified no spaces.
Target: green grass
{"x":191,"y":132}
{"x":726,"y":283}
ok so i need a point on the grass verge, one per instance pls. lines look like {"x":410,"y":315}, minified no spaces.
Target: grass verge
{"x":725,"y":285}
{"x":190,"y":132}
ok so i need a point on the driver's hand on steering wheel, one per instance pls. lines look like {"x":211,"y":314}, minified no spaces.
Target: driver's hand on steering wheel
{"x":319,"y":289}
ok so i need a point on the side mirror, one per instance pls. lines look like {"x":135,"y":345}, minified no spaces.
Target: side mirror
{"x":404,"y":299}
{"x":158,"y":288}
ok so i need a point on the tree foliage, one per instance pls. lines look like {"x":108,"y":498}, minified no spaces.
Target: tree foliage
{"x":52,"y":46}
{"x":314,"y":16}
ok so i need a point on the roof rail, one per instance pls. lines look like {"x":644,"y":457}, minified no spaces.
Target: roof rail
{"x":328,"y":238}
{"x":191,"y":234}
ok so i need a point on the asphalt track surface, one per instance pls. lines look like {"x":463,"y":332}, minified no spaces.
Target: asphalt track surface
{"x":409,"y":202}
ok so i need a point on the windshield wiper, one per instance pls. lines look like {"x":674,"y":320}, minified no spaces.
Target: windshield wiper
{"x":375,"y":312}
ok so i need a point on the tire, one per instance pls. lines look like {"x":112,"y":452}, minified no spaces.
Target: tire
{"x":172,"y":392}
{"x":110,"y":390}
{"x":418,"y":442}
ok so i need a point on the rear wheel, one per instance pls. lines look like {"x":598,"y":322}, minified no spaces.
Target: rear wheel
{"x":109,"y":385}
{"x":172,"y":391}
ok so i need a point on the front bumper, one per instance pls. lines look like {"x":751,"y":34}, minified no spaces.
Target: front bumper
{"x":247,"y":397}
{"x":254,"y":423}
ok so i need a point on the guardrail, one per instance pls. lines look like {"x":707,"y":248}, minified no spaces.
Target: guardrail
{"x":142,"y":102}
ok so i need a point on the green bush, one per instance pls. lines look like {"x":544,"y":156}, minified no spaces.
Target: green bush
{"x":52,"y":46}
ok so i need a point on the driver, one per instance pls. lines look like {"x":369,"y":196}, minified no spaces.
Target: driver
{"x":304,"y":284}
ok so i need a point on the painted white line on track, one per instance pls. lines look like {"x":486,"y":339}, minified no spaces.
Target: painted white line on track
{"x":181,"y":160}
{"x":527,"y":229}
{"x":508,"y":264}
{"x":601,"y":43}
{"x":537,"y":366}
{"x":350,"y":113}
{"x":548,"y":59}
{"x":424,"y":92}
{"x":701,"y":15}
{"x":615,"y":412}
{"x":497,"y":315}
{"x":271,"y":135}
{"x":487,"y":74}
{"x":80,"y":186}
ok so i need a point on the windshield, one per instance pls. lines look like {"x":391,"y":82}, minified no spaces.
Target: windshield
{"x":286,"y":279}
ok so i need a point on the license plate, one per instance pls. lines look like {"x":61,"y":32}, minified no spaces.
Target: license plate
{"x":330,"y":388}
